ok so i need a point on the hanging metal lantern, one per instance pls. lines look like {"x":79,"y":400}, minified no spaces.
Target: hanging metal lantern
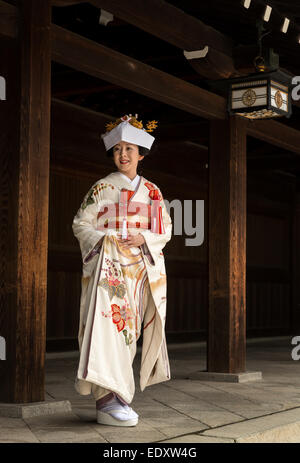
{"x":260,"y":95}
{"x":264,"y":94}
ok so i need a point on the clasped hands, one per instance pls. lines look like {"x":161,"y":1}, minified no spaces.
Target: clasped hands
{"x":132,"y":240}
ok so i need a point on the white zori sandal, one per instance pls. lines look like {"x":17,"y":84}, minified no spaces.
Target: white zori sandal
{"x":113,"y":411}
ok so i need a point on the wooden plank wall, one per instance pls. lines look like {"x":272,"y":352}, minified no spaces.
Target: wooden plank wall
{"x":78,"y":160}
{"x":269,"y":254}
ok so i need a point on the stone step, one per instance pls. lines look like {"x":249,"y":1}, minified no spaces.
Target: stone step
{"x":280,"y":427}
{"x":28,"y":410}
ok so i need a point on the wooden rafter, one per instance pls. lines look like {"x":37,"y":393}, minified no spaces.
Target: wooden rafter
{"x":88,"y":56}
{"x":181,"y":30}
{"x":85,"y":55}
{"x":97,"y":60}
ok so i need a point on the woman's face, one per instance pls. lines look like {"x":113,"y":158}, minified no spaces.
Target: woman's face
{"x":126,"y":157}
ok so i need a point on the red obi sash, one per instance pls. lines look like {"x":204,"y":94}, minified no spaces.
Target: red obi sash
{"x":114,"y":213}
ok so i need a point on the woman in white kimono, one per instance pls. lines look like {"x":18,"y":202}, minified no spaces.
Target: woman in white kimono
{"x":122,"y":226}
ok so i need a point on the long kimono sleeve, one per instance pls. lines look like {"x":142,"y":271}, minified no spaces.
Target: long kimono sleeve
{"x":85,"y":228}
{"x":155,"y":242}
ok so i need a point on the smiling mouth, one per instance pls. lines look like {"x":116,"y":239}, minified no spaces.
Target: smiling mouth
{"x":124,"y":162}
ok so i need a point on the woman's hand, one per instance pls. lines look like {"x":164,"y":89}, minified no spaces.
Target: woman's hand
{"x":132,"y":240}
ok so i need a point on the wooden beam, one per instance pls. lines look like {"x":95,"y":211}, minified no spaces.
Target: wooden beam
{"x":214,"y":65}
{"x":180,"y":29}
{"x":276,"y":134}
{"x":24,"y":172}
{"x":189,"y":33}
{"x":167,"y":22}
{"x":85,"y":55}
{"x":94,"y":59}
{"x":227,"y":246}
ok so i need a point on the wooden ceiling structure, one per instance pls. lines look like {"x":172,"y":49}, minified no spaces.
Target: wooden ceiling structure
{"x":64,"y":54}
{"x":232,"y":45}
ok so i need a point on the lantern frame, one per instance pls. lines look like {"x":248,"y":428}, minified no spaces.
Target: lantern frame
{"x":275,"y":86}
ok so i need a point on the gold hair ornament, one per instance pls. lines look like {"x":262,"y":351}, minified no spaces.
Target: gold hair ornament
{"x":150,"y":126}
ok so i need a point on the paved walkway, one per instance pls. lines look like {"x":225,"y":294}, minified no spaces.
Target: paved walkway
{"x":182,"y":409}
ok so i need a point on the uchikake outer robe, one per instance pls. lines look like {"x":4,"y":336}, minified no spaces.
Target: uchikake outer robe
{"x":96,"y":232}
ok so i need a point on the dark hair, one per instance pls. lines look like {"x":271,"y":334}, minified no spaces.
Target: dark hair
{"x":142,"y":151}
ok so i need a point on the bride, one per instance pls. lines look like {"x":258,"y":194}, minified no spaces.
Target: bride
{"x":122,"y":227}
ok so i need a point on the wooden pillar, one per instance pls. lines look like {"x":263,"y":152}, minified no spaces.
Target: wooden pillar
{"x":24,"y":184}
{"x":227,"y":246}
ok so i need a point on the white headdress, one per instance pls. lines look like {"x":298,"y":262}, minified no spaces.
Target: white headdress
{"x":128,"y":128}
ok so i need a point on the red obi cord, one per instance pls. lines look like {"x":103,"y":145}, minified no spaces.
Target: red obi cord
{"x":157,"y":224}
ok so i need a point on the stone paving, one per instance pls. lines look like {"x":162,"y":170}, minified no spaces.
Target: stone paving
{"x":182,"y":409}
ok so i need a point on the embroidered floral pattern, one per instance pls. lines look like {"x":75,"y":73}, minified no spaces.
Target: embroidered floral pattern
{"x":111,"y":283}
{"x":94,"y":192}
{"x":121,"y":317}
{"x":121,"y":314}
{"x":89,"y":199}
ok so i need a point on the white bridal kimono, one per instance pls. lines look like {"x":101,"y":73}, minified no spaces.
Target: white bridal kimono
{"x":123,"y":289}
